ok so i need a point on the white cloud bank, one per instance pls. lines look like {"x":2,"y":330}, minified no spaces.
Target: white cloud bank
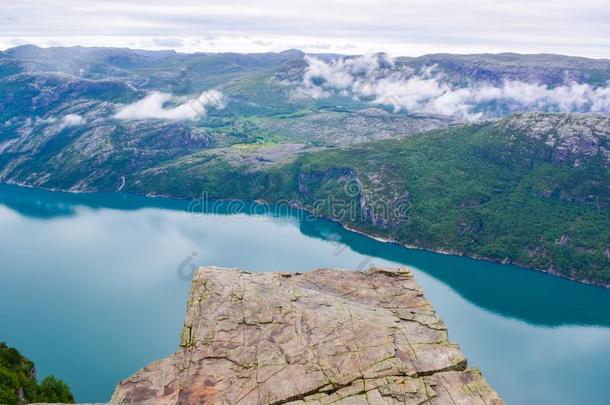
{"x":376,"y":78}
{"x":153,"y":106}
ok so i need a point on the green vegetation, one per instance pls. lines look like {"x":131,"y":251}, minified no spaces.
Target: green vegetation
{"x":480,"y":190}
{"x":475,"y":191}
{"x":18,"y":381}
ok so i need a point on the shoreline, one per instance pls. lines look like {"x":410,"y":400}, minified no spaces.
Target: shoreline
{"x":346,"y":227}
{"x":473,"y":257}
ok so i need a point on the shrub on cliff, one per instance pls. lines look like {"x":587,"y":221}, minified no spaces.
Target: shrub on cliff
{"x":18,"y":381}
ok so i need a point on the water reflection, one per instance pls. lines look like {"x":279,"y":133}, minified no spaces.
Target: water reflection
{"x":510,"y":291}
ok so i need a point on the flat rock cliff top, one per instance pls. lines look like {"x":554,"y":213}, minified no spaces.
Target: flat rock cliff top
{"x":321,"y":337}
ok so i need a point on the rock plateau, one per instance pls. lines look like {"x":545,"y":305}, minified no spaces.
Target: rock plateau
{"x":321,"y":337}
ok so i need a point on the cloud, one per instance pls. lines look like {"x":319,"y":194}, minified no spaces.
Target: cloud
{"x":378,"y":80}
{"x":153,"y":106}
{"x":72,"y":120}
{"x":261,"y":42}
{"x":69,"y":120}
{"x":168,"y":42}
{"x":411,"y":27}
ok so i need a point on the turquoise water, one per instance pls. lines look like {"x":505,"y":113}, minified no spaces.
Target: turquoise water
{"x":93,"y":287}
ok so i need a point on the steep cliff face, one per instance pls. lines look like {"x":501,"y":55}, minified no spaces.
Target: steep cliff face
{"x":326,"y":336}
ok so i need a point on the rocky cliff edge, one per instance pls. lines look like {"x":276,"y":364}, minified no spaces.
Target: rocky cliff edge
{"x":321,"y":337}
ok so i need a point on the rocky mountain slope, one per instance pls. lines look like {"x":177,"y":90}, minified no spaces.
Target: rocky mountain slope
{"x":531,"y":189}
{"x":358,"y":139}
{"x":541,"y":68}
{"x":321,"y":337}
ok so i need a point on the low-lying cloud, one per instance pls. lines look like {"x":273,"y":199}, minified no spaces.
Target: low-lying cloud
{"x":68,"y":120}
{"x":72,"y":120}
{"x":154,"y":106}
{"x":377,"y":79}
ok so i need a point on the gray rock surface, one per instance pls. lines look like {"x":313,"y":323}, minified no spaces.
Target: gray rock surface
{"x":326,"y":336}
{"x":342,"y":128}
{"x":575,"y":137}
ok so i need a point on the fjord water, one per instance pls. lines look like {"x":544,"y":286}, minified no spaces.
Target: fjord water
{"x":93,"y":287}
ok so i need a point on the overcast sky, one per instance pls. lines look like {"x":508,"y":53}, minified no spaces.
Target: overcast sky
{"x":408,"y":27}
